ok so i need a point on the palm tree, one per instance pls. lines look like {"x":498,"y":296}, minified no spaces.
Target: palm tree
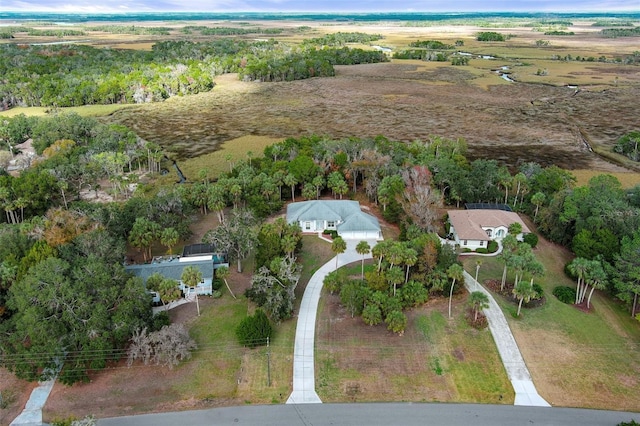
{"x":596,"y":278}
{"x":168,"y":291}
{"x":142,"y":235}
{"x":395,"y":277}
{"x":338,"y":246}
{"x":578,"y":267}
{"x":509,"y":244}
{"x":363,"y":248}
{"x":190,"y":277}
{"x":289,"y":244}
{"x":515,"y":229}
{"x":524,"y":292}
{"x":169,"y":237}
{"x":223,"y":273}
{"x":291,"y":181}
{"x":537,"y":199}
{"x":410,"y":259}
{"x":478,"y":301}
{"x":456,"y":273}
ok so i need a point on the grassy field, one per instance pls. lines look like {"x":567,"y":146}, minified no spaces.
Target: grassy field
{"x":577,"y":359}
{"x":436,"y":359}
{"x":85,"y":111}
{"x":627,"y":179}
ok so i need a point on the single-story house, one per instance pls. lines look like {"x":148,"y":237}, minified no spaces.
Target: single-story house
{"x":473,"y":229}
{"x":343,"y":216}
{"x":202,"y":256}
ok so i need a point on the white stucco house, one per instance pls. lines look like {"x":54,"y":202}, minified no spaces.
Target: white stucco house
{"x":343,"y":216}
{"x":473,"y":229}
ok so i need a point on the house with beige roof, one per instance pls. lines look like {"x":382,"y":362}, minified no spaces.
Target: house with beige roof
{"x":473,"y":229}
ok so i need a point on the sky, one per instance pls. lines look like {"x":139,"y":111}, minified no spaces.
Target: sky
{"x":335,"y":6}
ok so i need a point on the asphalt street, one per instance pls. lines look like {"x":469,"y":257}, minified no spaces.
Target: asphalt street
{"x":405,"y":414}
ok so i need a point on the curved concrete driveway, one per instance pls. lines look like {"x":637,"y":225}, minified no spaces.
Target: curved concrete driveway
{"x":526,"y":393}
{"x":304,"y":382}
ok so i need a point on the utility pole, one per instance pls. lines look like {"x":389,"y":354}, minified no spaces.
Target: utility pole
{"x":268,"y":364}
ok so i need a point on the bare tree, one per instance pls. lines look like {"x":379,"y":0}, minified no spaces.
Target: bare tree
{"x":420,"y":200}
{"x":167,"y":347}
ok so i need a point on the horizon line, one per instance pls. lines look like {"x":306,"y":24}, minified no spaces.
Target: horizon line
{"x":345,"y":12}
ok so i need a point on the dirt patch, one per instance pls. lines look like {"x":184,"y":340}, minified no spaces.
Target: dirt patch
{"x":14,"y":395}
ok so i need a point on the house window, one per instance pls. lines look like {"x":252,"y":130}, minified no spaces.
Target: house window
{"x":500,"y":233}
{"x":307,"y":226}
{"x":481,"y":243}
{"x":331,"y":224}
{"x":464,"y":243}
{"x":489,"y":232}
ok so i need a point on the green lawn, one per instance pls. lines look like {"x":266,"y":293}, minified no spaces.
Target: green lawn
{"x":576,"y":358}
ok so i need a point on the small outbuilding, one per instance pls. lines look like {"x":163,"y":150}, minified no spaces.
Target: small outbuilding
{"x":343,"y":216}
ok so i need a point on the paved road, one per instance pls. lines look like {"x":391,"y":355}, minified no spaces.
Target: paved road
{"x":406,"y":414}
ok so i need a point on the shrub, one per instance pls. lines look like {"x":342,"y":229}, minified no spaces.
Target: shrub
{"x":331,"y":232}
{"x":568,"y":272}
{"x":159,"y":320}
{"x":539,"y":291}
{"x":492,"y":247}
{"x":254,"y":330}
{"x":565,"y":294}
{"x":482,"y":250}
{"x":372,"y":315}
{"x":531,"y":239}
{"x":396,"y":321}
{"x":216,"y":284}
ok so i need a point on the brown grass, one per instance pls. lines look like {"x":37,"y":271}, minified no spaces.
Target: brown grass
{"x":627,"y":179}
{"x":405,"y":101}
{"x":434,"y":360}
{"x":15,"y":393}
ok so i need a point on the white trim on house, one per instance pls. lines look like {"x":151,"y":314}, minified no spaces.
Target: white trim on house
{"x":473,"y":229}
{"x":343,"y":216}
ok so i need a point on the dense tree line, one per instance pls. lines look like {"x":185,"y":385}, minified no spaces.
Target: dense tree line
{"x":297,"y":65}
{"x":559,"y":33}
{"x":130,"y":29}
{"x":422,"y":54}
{"x":341,"y":38}
{"x":431,"y":44}
{"x":621,"y":32}
{"x":74,"y":75}
{"x":227,"y":31}
{"x":490,"y":36}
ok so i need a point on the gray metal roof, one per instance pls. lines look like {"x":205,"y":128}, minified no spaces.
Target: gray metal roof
{"x":170,"y":269}
{"x":346,"y":211}
{"x":321,"y":210}
{"x":360,"y":221}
